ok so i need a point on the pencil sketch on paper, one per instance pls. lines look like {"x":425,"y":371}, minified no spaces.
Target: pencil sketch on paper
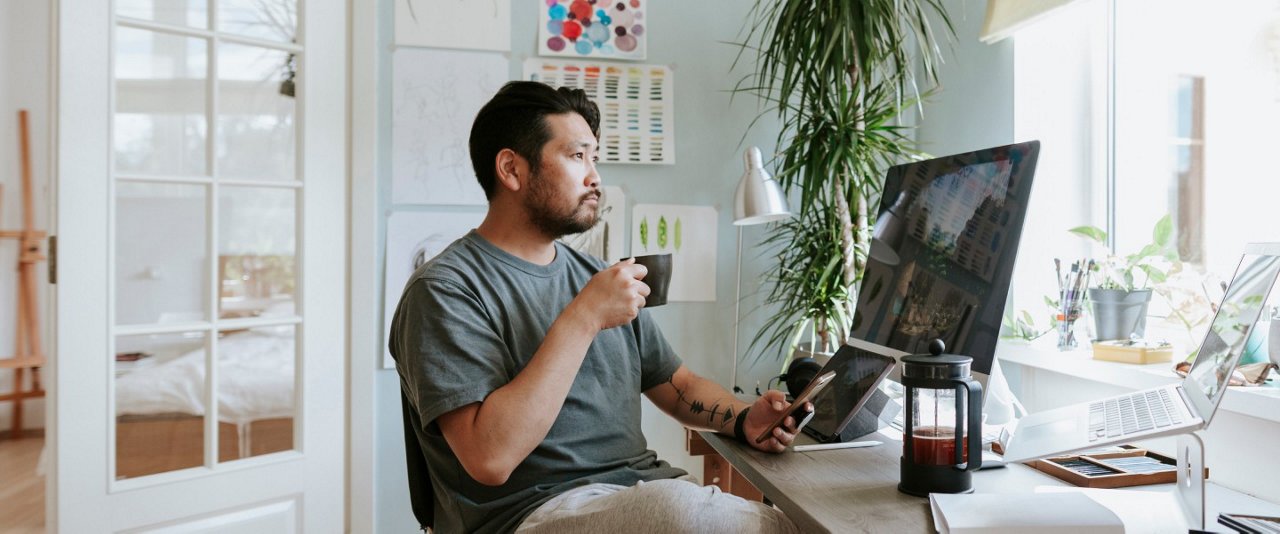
{"x":413,"y":238}
{"x":458,"y":24}
{"x":604,"y":240}
{"x":436,"y":94}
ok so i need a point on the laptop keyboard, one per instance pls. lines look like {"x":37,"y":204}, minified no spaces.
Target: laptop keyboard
{"x":1139,"y":412}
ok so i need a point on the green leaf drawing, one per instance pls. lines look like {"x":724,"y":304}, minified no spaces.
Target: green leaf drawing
{"x":644,"y":232}
{"x":662,"y":232}
{"x":678,"y":236}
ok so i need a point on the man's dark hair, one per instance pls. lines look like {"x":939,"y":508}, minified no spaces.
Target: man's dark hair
{"x":514,"y":119}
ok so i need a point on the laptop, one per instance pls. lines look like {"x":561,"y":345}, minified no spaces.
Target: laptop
{"x":1169,"y":410}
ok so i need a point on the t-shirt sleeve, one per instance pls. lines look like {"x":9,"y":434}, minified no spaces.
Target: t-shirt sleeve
{"x":657,"y":361}
{"x":449,"y":350}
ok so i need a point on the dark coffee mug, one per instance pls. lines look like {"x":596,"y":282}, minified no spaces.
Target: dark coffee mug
{"x":658,"y":279}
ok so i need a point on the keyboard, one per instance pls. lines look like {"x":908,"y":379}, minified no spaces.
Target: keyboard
{"x":1139,"y":412}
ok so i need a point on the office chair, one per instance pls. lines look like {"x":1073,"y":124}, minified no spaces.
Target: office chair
{"x":421,"y":493}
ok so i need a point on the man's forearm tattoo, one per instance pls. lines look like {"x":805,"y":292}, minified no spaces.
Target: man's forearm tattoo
{"x":719,"y":415}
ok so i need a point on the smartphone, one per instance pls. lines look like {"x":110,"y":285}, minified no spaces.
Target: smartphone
{"x":798,"y":406}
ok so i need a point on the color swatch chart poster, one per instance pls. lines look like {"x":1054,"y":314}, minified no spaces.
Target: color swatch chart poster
{"x":636,"y":105}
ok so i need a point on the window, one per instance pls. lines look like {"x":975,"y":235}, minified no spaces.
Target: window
{"x":1143,"y":111}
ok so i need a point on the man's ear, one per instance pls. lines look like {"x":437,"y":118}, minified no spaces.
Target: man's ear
{"x":512,"y":169}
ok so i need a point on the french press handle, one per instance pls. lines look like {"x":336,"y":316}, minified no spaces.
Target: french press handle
{"x":973,"y":430}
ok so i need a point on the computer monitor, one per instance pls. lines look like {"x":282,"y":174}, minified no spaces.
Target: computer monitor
{"x":942,"y":252}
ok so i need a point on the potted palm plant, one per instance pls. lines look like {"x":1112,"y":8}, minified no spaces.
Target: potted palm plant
{"x":838,"y":74}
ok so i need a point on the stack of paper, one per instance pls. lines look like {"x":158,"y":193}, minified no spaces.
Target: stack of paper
{"x":1058,"y":509}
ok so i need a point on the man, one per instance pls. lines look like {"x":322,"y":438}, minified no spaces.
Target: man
{"x":524,"y":359}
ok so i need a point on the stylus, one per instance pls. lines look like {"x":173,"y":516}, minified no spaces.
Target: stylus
{"x":829,"y":446}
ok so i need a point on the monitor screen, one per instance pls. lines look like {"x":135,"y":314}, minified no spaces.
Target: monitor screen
{"x":942,"y":252}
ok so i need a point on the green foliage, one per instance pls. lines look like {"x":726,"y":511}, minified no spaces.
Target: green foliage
{"x":838,"y":74}
{"x":1150,"y":265}
{"x":806,"y":283}
{"x":1022,"y":326}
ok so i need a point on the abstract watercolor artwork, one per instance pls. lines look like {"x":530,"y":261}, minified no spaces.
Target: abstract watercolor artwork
{"x":435,"y":97}
{"x":605,"y":239}
{"x":636,"y":102}
{"x":598,"y":29}
{"x":688,"y":233}
{"x":469,"y":24}
{"x":413,"y":238}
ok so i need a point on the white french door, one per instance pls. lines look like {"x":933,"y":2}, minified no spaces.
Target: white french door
{"x":199,"y":373}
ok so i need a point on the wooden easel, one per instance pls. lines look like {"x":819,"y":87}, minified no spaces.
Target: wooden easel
{"x":28,"y":353}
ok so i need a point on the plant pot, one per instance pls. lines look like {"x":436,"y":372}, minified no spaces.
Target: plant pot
{"x":1119,"y":314}
{"x":806,"y":350}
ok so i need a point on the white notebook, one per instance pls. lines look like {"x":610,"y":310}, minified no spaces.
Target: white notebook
{"x":1054,"y":509}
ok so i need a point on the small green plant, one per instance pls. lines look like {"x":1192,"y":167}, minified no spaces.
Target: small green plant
{"x":1150,"y":265}
{"x":1022,"y":326}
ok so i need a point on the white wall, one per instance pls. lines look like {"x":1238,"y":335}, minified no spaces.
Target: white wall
{"x":973,"y":108}
{"x":25,"y":57}
{"x":1060,"y":99}
{"x":708,"y":129}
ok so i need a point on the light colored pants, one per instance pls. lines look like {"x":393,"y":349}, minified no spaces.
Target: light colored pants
{"x":676,"y":505}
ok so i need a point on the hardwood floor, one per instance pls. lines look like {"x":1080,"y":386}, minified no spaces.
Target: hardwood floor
{"x":22,"y":491}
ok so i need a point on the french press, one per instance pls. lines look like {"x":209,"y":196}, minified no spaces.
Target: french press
{"x":942,"y":434}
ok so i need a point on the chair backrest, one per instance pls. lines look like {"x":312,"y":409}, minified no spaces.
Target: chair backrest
{"x":421,"y":493}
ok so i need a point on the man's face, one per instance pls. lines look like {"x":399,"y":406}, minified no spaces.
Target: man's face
{"x":564,"y":191}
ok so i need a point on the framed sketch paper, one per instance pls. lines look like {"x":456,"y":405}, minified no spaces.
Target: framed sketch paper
{"x":637,"y":123}
{"x":688,"y":233}
{"x":413,"y":238}
{"x":469,"y":24}
{"x":605,"y":240}
{"x":436,"y":95}
{"x":607,"y":29}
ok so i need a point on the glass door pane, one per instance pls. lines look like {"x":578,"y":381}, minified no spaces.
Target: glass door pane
{"x":256,"y":127}
{"x":273,"y":20}
{"x":257,"y":233}
{"x":162,"y":253}
{"x":193,"y":13}
{"x":159,"y":402}
{"x":256,"y":387}
{"x":161,"y":116}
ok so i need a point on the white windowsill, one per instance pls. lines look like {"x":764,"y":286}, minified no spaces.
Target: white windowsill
{"x":1262,"y":402}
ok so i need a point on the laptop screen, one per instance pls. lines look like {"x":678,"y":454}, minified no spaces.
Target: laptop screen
{"x":1225,"y":341}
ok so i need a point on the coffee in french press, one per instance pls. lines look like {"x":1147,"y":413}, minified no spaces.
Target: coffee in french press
{"x":942,"y":426}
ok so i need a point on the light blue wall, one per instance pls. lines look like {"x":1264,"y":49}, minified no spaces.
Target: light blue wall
{"x":974,"y":106}
{"x":687,"y":36}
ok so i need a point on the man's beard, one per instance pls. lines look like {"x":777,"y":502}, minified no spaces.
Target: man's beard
{"x":542,"y":205}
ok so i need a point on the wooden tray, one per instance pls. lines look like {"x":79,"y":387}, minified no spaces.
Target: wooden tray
{"x":1130,"y":466}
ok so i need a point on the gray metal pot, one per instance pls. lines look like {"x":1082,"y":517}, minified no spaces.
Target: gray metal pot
{"x":1117,"y":313}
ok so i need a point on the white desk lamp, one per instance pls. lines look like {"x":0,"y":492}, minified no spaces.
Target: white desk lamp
{"x":758,"y":200}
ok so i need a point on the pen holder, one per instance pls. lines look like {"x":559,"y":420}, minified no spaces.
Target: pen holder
{"x":1067,"y":317}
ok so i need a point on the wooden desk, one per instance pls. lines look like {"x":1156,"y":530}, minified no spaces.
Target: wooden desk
{"x":856,"y":490}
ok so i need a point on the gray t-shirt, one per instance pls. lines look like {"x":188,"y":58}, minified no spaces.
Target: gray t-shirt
{"x":468,"y":322}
